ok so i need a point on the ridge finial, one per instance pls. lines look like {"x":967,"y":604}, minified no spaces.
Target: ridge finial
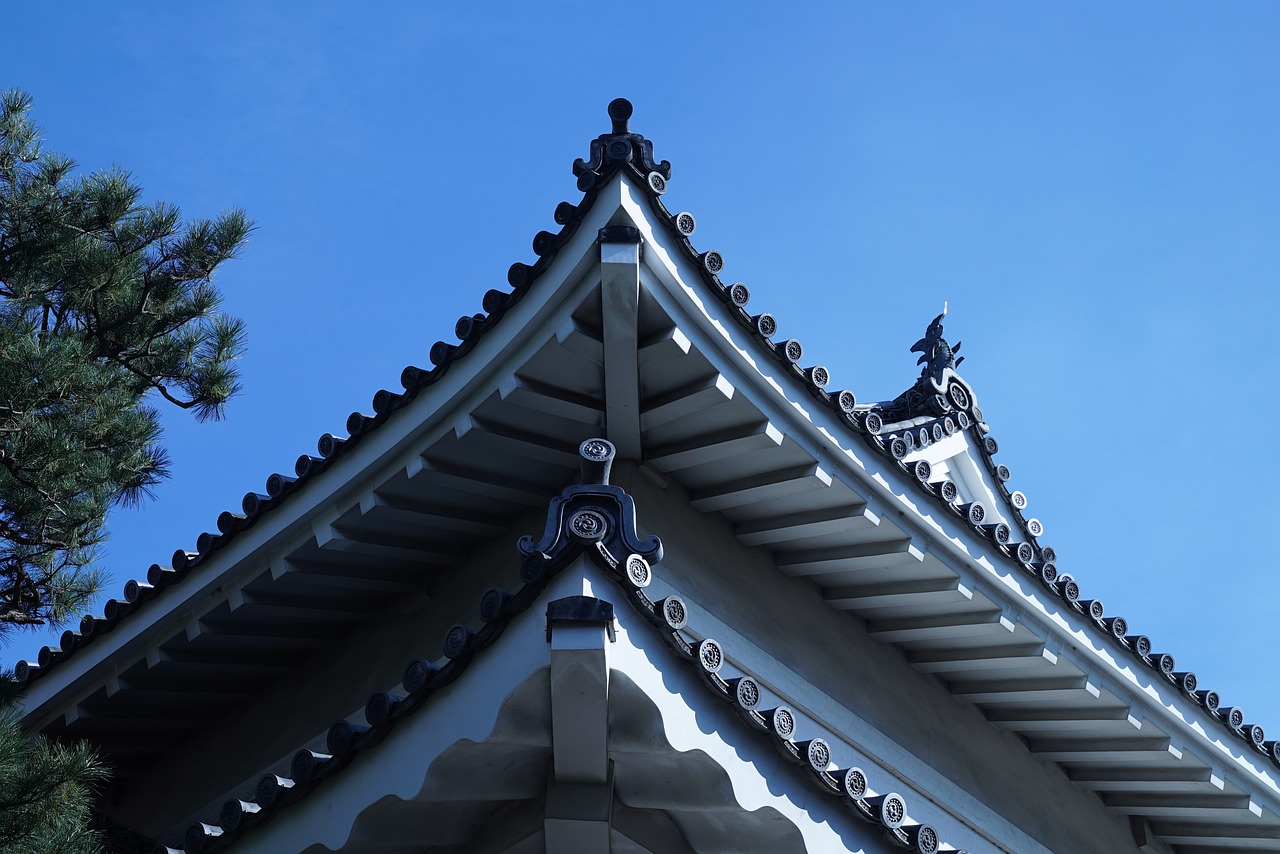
{"x":621,"y":149}
{"x":935,"y":353}
{"x":620,"y":113}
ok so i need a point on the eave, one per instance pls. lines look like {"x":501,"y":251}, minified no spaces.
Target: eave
{"x":735,"y":419}
{"x":367,"y":785}
{"x":323,"y":553}
{"x":881,"y":544}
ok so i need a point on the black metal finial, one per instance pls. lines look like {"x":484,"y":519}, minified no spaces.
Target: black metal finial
{"x":620,"y":113}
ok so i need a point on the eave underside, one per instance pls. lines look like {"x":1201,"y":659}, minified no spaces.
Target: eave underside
{"x":721,"y":429}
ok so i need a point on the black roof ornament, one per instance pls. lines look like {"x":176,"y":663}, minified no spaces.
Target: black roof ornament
{"x":937,"y":354}
{"x":592,"y":515}
{"x":939,"y":391}
{"x":620,"y":112}
{"x":618,"y":149}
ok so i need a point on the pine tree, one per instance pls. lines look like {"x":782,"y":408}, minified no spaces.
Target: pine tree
{"x":106,"y":304}
{"x":46,"y":793}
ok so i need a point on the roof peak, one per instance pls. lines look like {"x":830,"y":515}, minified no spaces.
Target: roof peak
{"x":619,"y":148}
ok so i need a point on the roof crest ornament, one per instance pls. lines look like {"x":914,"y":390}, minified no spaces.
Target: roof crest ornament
{"x":619,"y":148}
{"x":592,"y":516}
{"x":937,"y":355}
{"x":939,"y":390}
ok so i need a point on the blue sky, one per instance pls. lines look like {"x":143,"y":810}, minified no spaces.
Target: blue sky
{"x":1094,"y":187}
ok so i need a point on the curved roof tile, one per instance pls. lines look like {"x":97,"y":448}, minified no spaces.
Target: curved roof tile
{"x":939,"y":401}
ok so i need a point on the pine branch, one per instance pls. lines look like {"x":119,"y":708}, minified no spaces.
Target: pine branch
{"x":105,"y":302}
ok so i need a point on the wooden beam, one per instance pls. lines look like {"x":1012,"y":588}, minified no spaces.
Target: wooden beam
{"x":1214,"y":837}
{"x":669,"y":344}
{"x":503,"y":438}
{"x":773,"y":530}
{"x":981,"y":660}
{"x":582,"y":340}
{"x":447,"y":477}
{"x":686,"y":401}
{"x":935,"y":627}
{"x":1066,"y":720}
{"x":415,"y":514}
{"x":876,"y":555}
{"x":1028,"y":692}
{"x":1181,"y":804}
{"x":1182,"y":777}
{"x":716,"y":445}
{"x":895,"y":594}
{"x":619,"y":307}
{"x":1110,"y":751}
{"x":539,"y":397}
{"x":331,"y":538}
{"x":767,"y":486}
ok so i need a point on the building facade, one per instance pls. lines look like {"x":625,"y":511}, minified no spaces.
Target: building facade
{"x":619,"y":572}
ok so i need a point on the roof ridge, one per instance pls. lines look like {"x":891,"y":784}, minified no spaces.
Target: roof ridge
{"x":939,"y":395}
{"x":469,"y":329}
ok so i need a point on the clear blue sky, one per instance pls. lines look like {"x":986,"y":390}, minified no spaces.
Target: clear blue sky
{"x":1094,"y":187}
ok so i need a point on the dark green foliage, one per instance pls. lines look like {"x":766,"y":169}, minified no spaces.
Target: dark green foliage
{"x":104,"y":304}
{"x":46,"y":793}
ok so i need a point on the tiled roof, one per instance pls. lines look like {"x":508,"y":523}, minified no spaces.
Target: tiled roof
{"x":279,"y":487}
{"x":598,"y":520}
{"x":937,"y":405}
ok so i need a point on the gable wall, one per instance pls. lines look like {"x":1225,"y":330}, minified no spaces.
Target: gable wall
{"x":226,"y":759}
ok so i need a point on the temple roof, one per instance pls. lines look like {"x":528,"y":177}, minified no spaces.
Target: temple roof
{"x":936,"y":406}
{"x":919,"y":436}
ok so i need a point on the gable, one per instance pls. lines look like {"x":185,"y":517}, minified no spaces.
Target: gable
{"x":622,"y":327}
{"x":616,"y":736}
